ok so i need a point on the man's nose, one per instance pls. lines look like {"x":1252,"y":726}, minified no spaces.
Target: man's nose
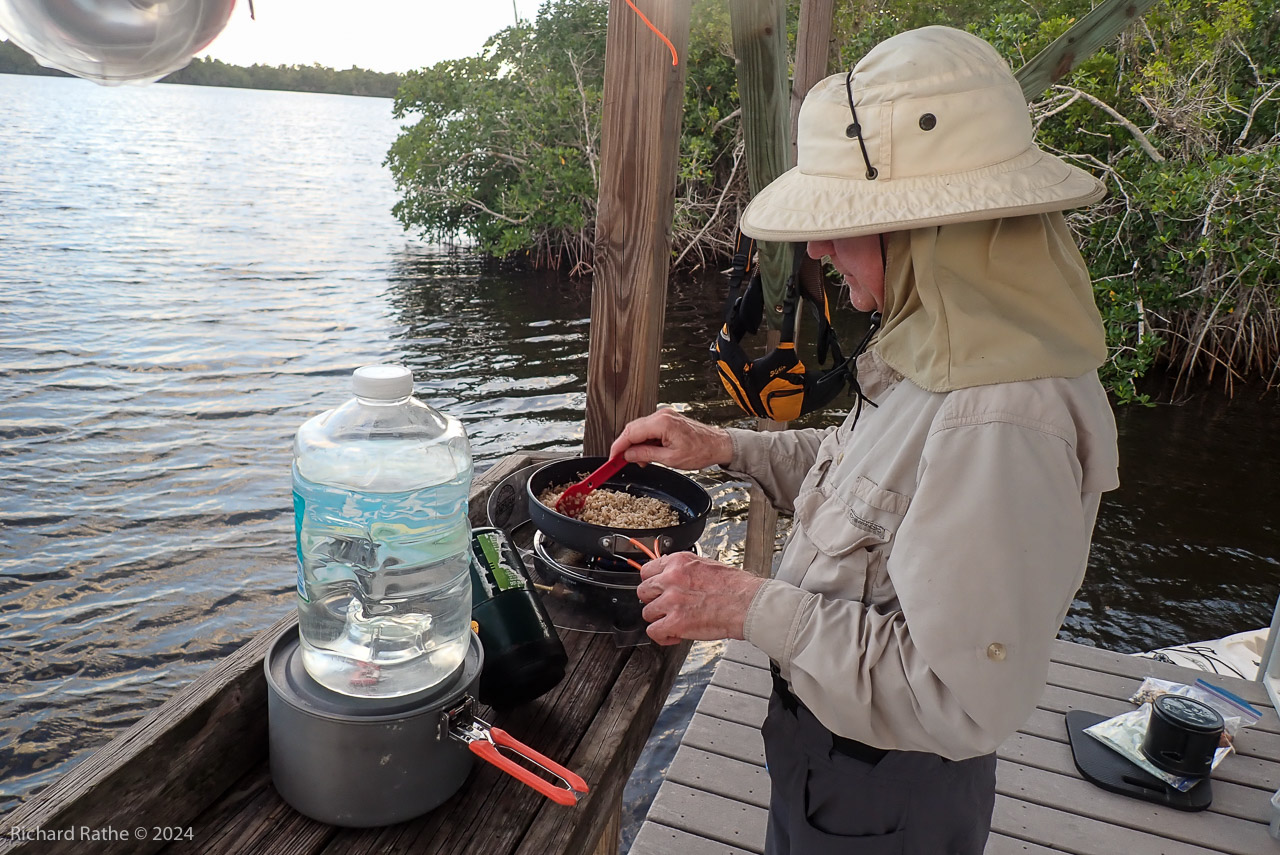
{"x":819,"y":248}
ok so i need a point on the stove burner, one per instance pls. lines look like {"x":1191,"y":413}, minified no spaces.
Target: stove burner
{"x":587,"y":593}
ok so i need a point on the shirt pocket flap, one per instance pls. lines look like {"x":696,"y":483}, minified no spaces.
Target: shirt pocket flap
{"x":838,"y":521}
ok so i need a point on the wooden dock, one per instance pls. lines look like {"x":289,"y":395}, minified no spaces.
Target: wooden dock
{"x":193,"y":776}
{"x":715,"y":796}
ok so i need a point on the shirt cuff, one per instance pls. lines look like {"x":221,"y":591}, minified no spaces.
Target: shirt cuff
{"x":773,"y":620}
{"x":750,"y":452}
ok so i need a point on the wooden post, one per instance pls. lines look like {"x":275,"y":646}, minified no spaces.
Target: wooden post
{"x":760,"y":45}
{"x":813,"y":50}
{"x":1102,"y":24}
{"x":640,"y":146}
{"x":611,"y":836}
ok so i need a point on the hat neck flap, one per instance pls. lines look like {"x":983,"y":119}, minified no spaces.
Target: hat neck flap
{"x":994,"y":301}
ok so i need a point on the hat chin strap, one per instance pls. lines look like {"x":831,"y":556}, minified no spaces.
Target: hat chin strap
{"x":855,"y":129}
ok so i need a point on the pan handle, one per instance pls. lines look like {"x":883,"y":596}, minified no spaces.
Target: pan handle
{"x":488,"y":751}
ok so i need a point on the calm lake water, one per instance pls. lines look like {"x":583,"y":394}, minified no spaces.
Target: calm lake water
{"x":187,"y":274}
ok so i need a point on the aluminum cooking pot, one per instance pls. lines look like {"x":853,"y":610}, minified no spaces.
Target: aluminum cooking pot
{"x":686,"y":496}
{"x":361,"y":763}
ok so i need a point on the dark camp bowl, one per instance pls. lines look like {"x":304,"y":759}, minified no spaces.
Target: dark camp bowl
{"x":681,"y":492}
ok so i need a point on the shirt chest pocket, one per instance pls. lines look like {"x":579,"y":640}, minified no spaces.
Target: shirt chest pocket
{"x":845,"y":533}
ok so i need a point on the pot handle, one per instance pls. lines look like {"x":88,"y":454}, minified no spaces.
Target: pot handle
{"x":487,"y":750}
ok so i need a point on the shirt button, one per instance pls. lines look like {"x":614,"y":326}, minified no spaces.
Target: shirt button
{"x":995,"y":652}
{"x":840,"y":457}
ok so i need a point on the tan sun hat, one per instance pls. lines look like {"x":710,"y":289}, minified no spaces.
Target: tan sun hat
{"x":930,"y":128}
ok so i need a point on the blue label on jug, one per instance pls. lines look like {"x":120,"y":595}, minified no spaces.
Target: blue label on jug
{"x":299,"y":510}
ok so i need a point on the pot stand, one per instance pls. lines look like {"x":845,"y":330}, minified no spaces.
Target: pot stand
{"x":361,"y":762}
{"x":1103,"y":766}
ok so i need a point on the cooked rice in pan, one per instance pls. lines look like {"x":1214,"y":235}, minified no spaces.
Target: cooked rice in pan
{"x":614,"y":509}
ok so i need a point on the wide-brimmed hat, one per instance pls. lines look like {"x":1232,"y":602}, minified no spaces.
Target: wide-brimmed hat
{"x":931,"y":127}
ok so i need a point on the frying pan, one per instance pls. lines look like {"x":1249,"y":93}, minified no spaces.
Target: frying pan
{"x":690,"y":501}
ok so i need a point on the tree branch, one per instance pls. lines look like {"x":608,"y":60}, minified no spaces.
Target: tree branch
{"x":1129,"y":126}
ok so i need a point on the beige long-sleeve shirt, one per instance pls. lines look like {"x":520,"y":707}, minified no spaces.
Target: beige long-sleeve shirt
{"x":936,"y":550}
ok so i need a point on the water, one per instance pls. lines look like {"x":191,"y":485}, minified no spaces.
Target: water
{"x":380,"y":488}
{"x":384,"y":592}
{"x":188,"y":274}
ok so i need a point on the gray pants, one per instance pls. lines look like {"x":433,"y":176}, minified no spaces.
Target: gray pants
{"x":908,"y":803}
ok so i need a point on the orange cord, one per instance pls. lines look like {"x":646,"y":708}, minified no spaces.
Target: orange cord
{"x":657,"y":32}
{"x":652,"y":553}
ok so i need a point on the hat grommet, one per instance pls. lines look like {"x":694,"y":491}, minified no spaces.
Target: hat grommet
{"x":928,"y":122}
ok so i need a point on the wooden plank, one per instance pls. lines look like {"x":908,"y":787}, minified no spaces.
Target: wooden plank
{"x":762,"y":517}
{"x":252,"y":810}
{"x":639,"y":153}
{"x":1138,"y":667}
{"x":1254,"y":742}
{"x":1117,"y":686}
{"x":711,"y":821}
{"x":1081,"y":835}
{"x":746,"y":653}
{"x":1050,"y":751}
{"x":1230,"y":799}
{"x":1102,"y":24}
{"x":710,"y":816}
{"x":1071,"y":793}
{"x":168,"y":766}
{"x":741,"y":742}
{"x":609,"y":750}
{"x":735,"y":707}
{"x":722,"y":776}
{"x":736,"y":677}
{"x":998,"y":844}
{"x":657,"y":839}
{"x":611,"y":835}
{"x":1084,"y":657}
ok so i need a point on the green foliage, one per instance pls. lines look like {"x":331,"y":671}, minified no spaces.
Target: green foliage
{"x":293,"y":78}
{"x":504,"y":146}
{"x":1180,"y":117}
{"x":14,"y":60}
{"x":1185,"y":251}
{"x":213,"y":72}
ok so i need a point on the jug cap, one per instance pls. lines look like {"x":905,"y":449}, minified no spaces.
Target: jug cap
{"x":383,"y":382}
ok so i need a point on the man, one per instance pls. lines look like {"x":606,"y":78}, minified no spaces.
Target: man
{"x":939,"y":535}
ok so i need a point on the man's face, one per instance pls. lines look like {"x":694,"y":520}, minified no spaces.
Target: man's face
{"x":858,"y":259}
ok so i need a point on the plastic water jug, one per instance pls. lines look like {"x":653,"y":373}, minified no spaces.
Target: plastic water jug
{"x":380,"y":489}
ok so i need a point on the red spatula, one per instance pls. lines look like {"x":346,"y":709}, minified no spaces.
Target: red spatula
{"x":574,"y":497}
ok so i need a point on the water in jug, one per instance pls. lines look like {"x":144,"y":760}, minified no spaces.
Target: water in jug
{"x":380,"y":489}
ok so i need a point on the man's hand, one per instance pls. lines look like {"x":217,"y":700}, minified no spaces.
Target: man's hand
{"x":687,"y":597}
{"x":671,"y":439}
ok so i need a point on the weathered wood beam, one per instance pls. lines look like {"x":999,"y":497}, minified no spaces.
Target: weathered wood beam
{"x":1102,"y":24}
{"x":639,"y":153}
{"x":813,"y":53}
{"x":760,"y":45}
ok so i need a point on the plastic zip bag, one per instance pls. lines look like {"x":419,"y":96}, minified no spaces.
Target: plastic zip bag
{"x":1235,"y":711}
{"x":1124,"y":733}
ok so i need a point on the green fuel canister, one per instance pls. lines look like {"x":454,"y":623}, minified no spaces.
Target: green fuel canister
{"x":523,"y":655}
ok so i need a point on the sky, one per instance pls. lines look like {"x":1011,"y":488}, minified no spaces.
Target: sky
{"x":382,"y":35}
